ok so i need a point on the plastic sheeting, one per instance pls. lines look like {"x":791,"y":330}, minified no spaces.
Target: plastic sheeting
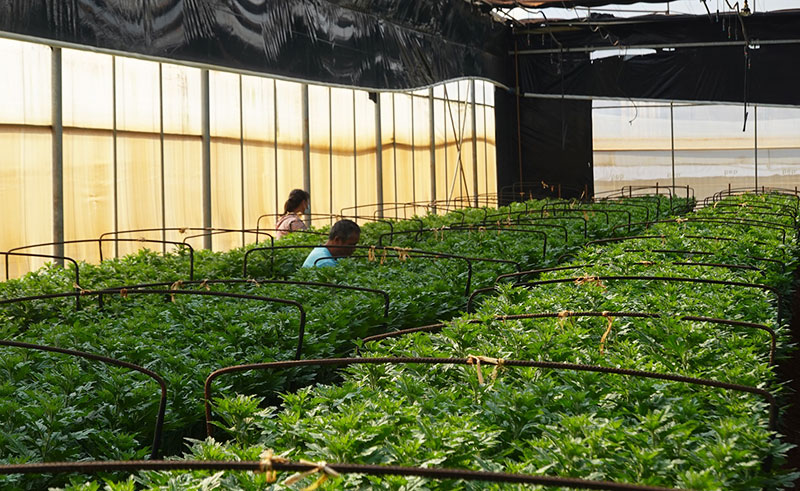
{"x":389,"y":44}
{"x":714,"y":68}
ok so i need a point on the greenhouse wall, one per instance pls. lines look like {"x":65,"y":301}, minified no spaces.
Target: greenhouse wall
{"x":133,"y":139}
{"x":705,"y":146}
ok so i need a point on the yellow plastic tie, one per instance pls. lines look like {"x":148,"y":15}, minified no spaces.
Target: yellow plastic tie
{"x":123,"y":293}
{"x":80,"y":289}
{"x":175,"y":286}
{"x":204,"y":284}
{"x":562,"y":317}
{"x":383,"y":257}
{"x":253,"y":281}
{"x":476,"y":360}
{"x":371,"y":254}
{"x":319,"y":467}
{"x":544,"y":185}
{"x":646,"y":263}
{"x":681,"y":220}
{"x":402,"y":253}
{"x":265,"y":467}
{"x":608,"y":330}
{"x":182,"y":230}
{"x":483,"y":230}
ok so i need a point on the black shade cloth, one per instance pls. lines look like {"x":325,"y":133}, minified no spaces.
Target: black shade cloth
{"x":385,"y":44}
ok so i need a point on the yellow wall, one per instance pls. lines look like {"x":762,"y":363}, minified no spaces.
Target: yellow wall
{"x":133,"y":150}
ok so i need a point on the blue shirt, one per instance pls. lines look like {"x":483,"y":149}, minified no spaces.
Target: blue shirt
{"x":321,"y":253}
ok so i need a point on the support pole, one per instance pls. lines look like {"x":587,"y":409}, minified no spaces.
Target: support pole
{"x":306,"y":150}
{"x":205,"y":108}
{"x":474,"y":144}
{"x":58,"y":154}
{"x":379,"y":155}
{"x":755,"y":139}
{"x":672,"y":141}
{"x":433,"y":147}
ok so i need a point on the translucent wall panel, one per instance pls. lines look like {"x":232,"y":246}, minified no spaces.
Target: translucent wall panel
{"x":226,"y":192}
{"x":778,"y":147}
{"x":183,"y":154}
{"x":367,"y":176}
{"x":26,"y":188}
{"x":25,"y":83}
{"x":491,"y":151}
{"x":422,"y":149}
{"x":441,"y":124}
{"x":183,"y":184}
{"x":482,"y":150}
{"x":88,"y":117}
{"x":258,"y":111}
{"x":88,"y":191}
{"x":87,"y":89}
{"x":139,"y":201}
{"x":319,"y":128}
{"x":181,"y":89}
{"x":343,"y":178}
{"x":711,"y":150}
{"x":389,"y":153}
{"x":226,"y":158}
{"x":25,"y":169}
{"x":138,"y":99}
{"x":403,"y":169}
{"x":290,"y":138}
{"x":631,"y":145}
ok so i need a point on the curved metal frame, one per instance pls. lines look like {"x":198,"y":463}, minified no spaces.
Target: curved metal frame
{"x":551,"y":315}
{"x":111,"y":361}
{"x":122,"y":291}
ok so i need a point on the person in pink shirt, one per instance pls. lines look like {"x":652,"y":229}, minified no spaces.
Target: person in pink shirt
{"x":295,"y":206}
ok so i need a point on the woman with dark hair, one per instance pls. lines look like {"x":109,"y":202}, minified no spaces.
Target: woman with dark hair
{"x":295,"y":206}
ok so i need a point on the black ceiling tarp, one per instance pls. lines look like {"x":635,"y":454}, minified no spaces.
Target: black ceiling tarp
{"x":539,"y":4}
{"x":701,"y":74}
{"x":657,"y":29}
{"x":387,"y":44}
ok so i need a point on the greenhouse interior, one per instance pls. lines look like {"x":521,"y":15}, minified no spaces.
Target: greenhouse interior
{"x":399,"y":244}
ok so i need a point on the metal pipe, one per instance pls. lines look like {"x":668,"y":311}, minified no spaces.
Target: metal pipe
{"x":241,"y":155}
{"x":306,"y":149}
{"x":432,"y":145}
{"x":713,"y":44}
{"x":672,"y":140}
{"x":205,"y":108}
{"x":379,"y":154}
{"x":163,"y":170}
{"x":574,"y":97}
{"x":474,"y":144}
{"x":114,"y":135}
{"x":57,"y":153}
{"x":755,"y":139}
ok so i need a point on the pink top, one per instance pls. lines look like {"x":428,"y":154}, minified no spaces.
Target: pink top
{"x":287,"y":224}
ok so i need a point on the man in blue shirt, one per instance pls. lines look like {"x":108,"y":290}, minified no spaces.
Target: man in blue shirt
{"x":344,"y":235}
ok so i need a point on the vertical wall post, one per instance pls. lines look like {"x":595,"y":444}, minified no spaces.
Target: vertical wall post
{"x":205,"y":117}
{"x":330,"y":154}
{"x":241,"y":157}
{"x":114,"y":138}
{"x":355,"y":156}
{"x":58,"y":154}
{"x":672,"y":141}
{"x":163,"y":164}
{"x":306,"y":149}
{"x":379,"y":154}
{"x":433,"y":147}
{"x":474,"y":144}
{"x":755,"y":139}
